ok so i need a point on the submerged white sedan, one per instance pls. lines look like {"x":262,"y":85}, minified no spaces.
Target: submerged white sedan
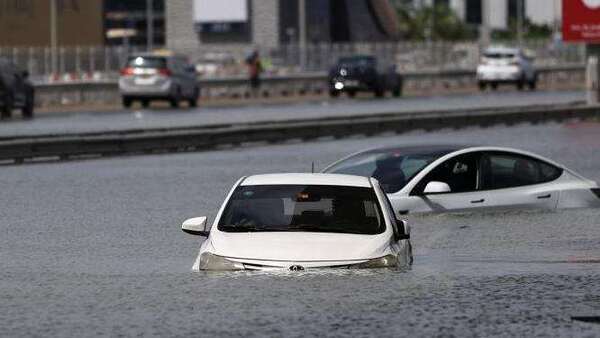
{"x":303,"y":221}
{"x":445,"y":178}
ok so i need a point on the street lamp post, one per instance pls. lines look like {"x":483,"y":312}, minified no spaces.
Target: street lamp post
{"x":520,"y":22}
{"x":53,"y":36}
{"x":484,"y":30}
{"x":149,"y":25}
{"x":302,"y":32}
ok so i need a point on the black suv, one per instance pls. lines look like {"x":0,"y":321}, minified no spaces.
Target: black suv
{"x":16,"y":91}
{"x":364,"y":73}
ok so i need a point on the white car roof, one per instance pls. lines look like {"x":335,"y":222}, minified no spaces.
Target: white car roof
{"x":502,"y":50}
{"x":308,"y":179}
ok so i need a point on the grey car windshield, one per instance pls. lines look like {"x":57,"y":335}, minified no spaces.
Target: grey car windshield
{"x":393,"y":170}
{"x":310,"y":208}
{"x":147,"y":62}
{"x":363,"y":61}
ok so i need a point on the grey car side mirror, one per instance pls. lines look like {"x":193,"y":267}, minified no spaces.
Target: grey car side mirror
{"x":435,"y":187}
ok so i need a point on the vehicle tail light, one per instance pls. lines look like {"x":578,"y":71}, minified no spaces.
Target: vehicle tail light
{"x":596,"y":192}
{"x":127,"y":71}
{"x":164,"y":71}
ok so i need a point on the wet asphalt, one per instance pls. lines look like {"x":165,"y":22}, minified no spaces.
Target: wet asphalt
{"x":137,"y":118}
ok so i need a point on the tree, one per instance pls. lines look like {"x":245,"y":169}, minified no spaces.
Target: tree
{"x":431,"y":23}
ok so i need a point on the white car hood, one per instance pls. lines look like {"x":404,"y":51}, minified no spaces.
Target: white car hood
{"x":299,"y":246}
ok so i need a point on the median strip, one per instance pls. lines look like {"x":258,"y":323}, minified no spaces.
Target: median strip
{"x":21,"y":149}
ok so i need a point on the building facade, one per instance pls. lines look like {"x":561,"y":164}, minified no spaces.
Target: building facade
{"x":270,"y":23}
{"x":500,"y":12}
{"x":27,"y":23}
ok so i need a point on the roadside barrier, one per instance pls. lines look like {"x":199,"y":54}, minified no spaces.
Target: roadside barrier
{"x":106,"y":91}
{"x":147,"y":141}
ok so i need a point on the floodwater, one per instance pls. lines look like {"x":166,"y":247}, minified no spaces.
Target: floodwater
{"x":94,"y":248}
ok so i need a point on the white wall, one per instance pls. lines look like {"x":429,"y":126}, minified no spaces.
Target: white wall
{"x":459,"y":7}
{"x":543,"y":11}
{"x":498,"y":13}
{"x":206,"y":11}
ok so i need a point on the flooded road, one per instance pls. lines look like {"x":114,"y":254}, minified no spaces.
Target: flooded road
{"x":94,"y":248}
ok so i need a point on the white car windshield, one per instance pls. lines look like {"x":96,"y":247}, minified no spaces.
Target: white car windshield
{"x":500,"y":55}
{"x":309,"y":208}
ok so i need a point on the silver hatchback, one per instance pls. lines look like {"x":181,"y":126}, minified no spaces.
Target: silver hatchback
{"x":149,"y":76}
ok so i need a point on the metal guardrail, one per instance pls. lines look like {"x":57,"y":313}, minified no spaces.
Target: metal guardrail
{"x":61,"y":147}
{"x":107,"y":90}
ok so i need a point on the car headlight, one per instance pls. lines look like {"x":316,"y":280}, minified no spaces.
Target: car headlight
{"x":389,"y":261}
{"x":212,"y":262}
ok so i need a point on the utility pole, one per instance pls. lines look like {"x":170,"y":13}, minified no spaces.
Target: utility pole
{"x":520,"y":22}
{"x":53,"y":36}
{"x":149,"y":25}
{"x":302,"y":32}
{"x":484,"y":30}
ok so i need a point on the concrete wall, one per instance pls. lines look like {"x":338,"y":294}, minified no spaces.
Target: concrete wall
{"x":265,"y":23}
{"x":180,"y":33}
{"x":182,"y":36}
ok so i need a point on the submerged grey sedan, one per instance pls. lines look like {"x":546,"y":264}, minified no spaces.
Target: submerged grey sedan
{"x":447,"y":178}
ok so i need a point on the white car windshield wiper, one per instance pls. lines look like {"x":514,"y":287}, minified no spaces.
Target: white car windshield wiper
{"x":291,"y":228}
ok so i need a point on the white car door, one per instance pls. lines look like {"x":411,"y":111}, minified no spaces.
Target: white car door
{"x":515,"y":181}
{"x":460,"y":174}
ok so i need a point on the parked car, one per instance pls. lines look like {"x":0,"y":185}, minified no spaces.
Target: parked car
{"x":364,"y":73}
{"x":501,"y":65}
{"x":303,"y":221}
{"x":16,"y":91}
{"x":446,"y":178}
{"x":158,"y":76}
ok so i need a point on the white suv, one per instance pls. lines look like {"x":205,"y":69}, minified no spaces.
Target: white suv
{"x":506,"y":65}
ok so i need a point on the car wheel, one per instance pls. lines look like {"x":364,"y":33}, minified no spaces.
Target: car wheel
{"x":520,"y":84}
{"x":145,"y":103}
{"x":482,"y":85}
{"x":352,"y":93}
{"x":533,"y":84}
{"x":193,"y":101}
{"x":127,"y":101}
{"x":334,"y":93}
{"x":174,"y":100}
{"x":9,"y":105}
{"x":379,"y":92}
{"x":27,"y":109}
{"x":494,"y":85}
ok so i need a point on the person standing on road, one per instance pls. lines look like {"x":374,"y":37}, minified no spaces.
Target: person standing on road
{"x":255,"y":68}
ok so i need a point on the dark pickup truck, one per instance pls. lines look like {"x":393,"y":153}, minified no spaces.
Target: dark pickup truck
{"x":16,"y":91}
{"x":364,"y":73}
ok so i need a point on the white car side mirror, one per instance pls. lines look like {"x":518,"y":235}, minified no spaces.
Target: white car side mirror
{"x":403,"y":229}
{"x":195,"y":226}
{"x":434,"y":187}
